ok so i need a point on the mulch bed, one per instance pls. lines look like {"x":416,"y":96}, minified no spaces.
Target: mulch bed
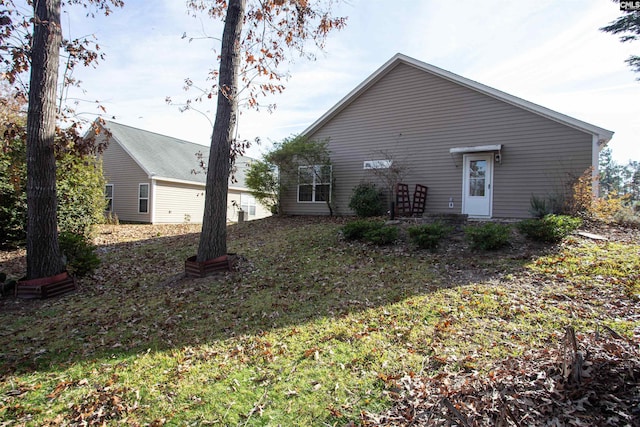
{"x":587,"y":380}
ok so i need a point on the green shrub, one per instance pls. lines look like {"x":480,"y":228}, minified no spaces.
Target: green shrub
{"x":367,"y":200}
{"x":356,"y":230}
{"x":80,"y":189}
{"x":428,"y":236}
{"x":79,"y":252}
{"x":13,"y":197}
{"x":550,"y":228}
{"x":13,"y":218}
{"x":7,"y":286}
{"x":262,"y":179}
{"x":552,"y":204}
{"x":488,"y":236}
{"x":381,"y":236}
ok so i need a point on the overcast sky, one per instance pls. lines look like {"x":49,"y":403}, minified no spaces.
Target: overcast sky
{"x":546,"y":51}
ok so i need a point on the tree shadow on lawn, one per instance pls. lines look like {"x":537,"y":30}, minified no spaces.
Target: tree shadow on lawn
{"x":292,"y":271}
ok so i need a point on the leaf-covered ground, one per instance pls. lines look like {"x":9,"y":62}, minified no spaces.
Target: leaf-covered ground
{"x":314,"y":330}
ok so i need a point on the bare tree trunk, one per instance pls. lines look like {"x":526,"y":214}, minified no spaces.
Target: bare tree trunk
{"x":43,"y":252}
{"x":213,"y":238}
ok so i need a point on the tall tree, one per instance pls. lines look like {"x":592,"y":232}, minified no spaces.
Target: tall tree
{"x":43,"y":251}
{"x":213,"y":240}
{"x":611,"y":178}
{"x":258,"y":36}
{"x":619,"y":180}
{"x":39,"y":53}
{"x":628,"y":27}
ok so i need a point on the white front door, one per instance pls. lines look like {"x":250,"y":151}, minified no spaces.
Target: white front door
{"x":477,"y":185}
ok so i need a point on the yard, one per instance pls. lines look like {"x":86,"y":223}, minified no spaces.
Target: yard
{"x":315,"y":330}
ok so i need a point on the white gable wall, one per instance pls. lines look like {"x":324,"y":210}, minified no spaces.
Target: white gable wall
{"x":125,"y":175}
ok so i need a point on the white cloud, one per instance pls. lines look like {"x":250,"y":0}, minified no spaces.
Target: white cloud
{"x":547,"y":52}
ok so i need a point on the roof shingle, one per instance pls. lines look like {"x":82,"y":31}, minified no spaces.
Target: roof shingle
{"x":168,"y":158}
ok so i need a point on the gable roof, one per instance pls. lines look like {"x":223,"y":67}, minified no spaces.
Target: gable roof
{"x":603,"y":135}
{"x":166,"y":158}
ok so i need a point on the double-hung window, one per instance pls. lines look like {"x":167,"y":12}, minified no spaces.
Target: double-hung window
{"x":248,"y":204}
{"x":314,"y":183}
{"x":108,"y":197}
{"x":143,"y":198}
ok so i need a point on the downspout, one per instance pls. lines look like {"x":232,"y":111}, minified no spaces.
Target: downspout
{"x":152,"y":201}
{"x":595,"y":163}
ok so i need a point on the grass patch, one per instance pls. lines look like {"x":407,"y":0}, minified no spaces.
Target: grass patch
{"x":591,"y":265}
{"x":312,"y":331}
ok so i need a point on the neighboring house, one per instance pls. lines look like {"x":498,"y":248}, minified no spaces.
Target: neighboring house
{"x":480,"y":151}
{"x":157,"y":179}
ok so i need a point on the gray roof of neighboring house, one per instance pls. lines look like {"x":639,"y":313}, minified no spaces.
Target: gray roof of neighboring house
{"x":165,"y":158}
{"x":604,"y":135}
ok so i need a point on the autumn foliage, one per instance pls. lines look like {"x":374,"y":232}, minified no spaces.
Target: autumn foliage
{"x":585,"y":204}
{"x":274,"y":31}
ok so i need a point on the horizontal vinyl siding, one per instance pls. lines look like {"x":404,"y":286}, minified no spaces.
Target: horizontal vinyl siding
{"x":417,"y":117}
{"x":178,"y":203}
{"x":126,"y":176}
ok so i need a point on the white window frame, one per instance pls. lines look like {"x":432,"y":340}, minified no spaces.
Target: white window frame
{"x":316,"y":182}
{"x":109,"y":207}
{"x":140,"y":198}
{"x":377,"y":164}
{"x":250,"y":206}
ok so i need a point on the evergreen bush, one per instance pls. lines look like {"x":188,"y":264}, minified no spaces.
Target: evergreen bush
{"x":79,"y":187}
{"x":428,"y":236}
{"x":550,"y":228}
{"x":80,"y":253}
{"x":488,"y":236}
{"x":356,"y":230}
{"x":13,"y":196}
{"x":367,"y":200}
{"x":382,"y":236}
{"x":7,"y":286}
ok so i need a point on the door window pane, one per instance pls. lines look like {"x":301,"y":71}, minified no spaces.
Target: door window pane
{"x":477,"y":177}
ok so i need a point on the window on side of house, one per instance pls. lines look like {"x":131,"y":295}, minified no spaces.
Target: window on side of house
{"x":248,"y":204}
{"x":314,"y":183}
{"x":143,"y":198}
{"x":108,"y":197}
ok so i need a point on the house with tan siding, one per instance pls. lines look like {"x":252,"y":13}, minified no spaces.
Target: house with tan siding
{"x":478,"y":150}
{"x":157,"y":179}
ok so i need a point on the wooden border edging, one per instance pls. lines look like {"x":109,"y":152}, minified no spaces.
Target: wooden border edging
{"x":194,"y":268}
{"x":46,"y":287}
